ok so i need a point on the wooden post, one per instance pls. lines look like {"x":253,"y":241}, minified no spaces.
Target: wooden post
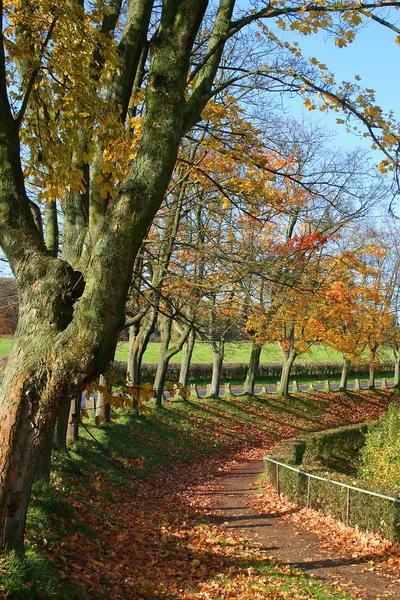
{"x":295,"y":386}
{"x":356,"y":384}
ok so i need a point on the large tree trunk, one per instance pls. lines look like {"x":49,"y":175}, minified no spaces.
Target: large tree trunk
{"x":70,"y":321}
{"x":345,"y":375}
{"x":290,"y":357}
{"x":187,"y":358}
{"x":252,"y":369}
{"x":218,"y":360}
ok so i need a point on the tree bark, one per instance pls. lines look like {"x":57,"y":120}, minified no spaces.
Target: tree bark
{"x":290,"y":357}
{"x":44,"y":463}
{"x":345,"y":375}
{"x":166,"y":353}
{"x":218,"y":360}
{"x":60,"y":434}
{"x":74,"y":416}
{"x":252,"y":369}
{"x":187,"y":358}
{"x":372,"y":368}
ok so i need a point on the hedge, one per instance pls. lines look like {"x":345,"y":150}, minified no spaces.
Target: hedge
{"x":237,"y":371}
{"x":328,"y":449}
{"x":336,"y":449}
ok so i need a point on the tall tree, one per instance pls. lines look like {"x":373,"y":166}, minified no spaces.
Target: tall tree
{"x":99,"y":101}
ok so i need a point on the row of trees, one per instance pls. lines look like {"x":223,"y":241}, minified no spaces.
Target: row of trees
{"x":109,"y":110}
{"x":295,"y":263}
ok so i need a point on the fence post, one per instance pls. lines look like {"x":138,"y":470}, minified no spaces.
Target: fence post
{"x":347,"y":506}
{"x":308,"y":490}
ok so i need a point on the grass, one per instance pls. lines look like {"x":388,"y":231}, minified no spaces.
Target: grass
{"x":5,"y":345}
{"x":125,"y":483}
{"x":235,"y":352}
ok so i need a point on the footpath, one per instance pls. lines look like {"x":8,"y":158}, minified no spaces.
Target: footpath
{"x":292,"y":544}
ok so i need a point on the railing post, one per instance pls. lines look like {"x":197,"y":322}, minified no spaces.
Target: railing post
{"x":308,"y":490}
{"x":347,"y":506}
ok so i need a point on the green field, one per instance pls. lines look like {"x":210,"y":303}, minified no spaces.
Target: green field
{"x":240,"y":352}
{"x":235,"y":352}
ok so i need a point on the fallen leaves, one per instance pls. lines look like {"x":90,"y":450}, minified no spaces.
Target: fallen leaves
{"x":148,"y":539}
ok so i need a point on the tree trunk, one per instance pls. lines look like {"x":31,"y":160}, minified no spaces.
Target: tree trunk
{"x":286,"y":370}
{"x":396,"y":383}
{"x":372,"y":368}
{"x":166,"y":353}
{"x":252,"y":370}
{"x":218,"y":359}
{"x":134,"y":356}
{"x":371,"y":380}
{"x":187,"y":358}
{"x":74,"y":416}
{"x":345,"y":375}
{"x":70,"y":321}
{"x":44,"y":464}
{"x":60,"y":434}
{"x":162,"y":367}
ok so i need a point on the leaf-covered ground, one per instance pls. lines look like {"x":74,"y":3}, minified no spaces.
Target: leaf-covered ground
{"x":123,"y":521}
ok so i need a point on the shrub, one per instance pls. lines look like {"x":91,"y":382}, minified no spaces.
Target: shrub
{"x":289,"y":451}
{"x":380,"y":456}
{"x":339,"y":449}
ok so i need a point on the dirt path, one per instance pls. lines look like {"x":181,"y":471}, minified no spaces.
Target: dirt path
{"x":292,"y":544}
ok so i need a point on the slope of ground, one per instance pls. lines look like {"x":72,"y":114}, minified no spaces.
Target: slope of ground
{"x":122,"y":519}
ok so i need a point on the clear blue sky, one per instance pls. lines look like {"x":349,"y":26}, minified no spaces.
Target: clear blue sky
{"x":373,"y":55}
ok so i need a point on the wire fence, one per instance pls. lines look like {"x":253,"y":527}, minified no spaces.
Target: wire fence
{"x":350,"y":489}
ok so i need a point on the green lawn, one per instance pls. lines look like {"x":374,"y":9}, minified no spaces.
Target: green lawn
{"x":235,"y":352}
{"x":240,"y":352}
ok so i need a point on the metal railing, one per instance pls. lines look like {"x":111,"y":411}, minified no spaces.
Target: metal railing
{"x":310,"y":476}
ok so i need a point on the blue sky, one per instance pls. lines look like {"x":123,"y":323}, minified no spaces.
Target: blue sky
{"x":373,"y":55}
